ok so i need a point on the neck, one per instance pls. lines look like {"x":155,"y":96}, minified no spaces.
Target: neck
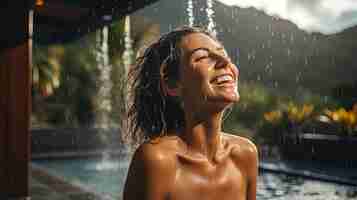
{"x":203,"y":134}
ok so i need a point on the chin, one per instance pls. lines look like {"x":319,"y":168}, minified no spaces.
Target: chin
{"x":231,"y":99}
{"x":231,"y":102}
{"x":222,"y":105}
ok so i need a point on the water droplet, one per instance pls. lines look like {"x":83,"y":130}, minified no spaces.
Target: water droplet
{"x":258,"y":78}
{"x":276,"y":84}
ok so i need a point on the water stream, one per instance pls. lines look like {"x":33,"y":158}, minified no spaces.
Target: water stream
{"x":190,"y":15}
{"x":128,"y":52}
{"x":210,"y":15}
{"x":105,"y":84}
{"x":103,"y":97}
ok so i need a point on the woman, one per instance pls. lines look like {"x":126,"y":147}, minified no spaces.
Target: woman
{"x":183,"y":83}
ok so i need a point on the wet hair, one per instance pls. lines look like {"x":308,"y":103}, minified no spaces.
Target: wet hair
{"x":153,"y":112}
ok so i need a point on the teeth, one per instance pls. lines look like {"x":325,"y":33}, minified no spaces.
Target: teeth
{"x":224,"y":78}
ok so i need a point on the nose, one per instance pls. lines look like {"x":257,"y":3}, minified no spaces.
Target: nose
{"x":222,"y":61}
{"x":226,"y":62}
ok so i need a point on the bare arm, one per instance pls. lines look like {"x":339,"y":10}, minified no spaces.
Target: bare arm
{"x":252,"y":160}
{"x":150,"y":174}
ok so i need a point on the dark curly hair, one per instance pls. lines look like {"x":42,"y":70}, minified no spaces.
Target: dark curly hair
{"x":152,"y":112}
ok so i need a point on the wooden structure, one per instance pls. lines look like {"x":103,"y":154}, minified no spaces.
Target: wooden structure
{"x":54,"y":20}
{"x":323,"y":147}
{"x":15,"y":55}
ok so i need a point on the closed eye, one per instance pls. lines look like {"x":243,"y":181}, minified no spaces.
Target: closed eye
{"x":201,"y":58}
{"x":203,"y":53}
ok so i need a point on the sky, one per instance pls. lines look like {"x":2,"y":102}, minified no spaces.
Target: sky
{"x":324,"y":16}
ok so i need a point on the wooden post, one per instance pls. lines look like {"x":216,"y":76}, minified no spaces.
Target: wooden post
{"x":15,"y":98}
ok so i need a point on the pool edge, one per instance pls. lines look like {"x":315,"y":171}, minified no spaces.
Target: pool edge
{"x":62,"y":186}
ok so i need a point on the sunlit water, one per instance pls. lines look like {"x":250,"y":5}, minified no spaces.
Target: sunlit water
{"x":108,"y":177}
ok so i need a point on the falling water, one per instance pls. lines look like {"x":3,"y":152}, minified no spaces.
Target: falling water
{"x":210,"y":14}
{"x":103,"y":118}
{"x":103,"y":97}
{"x":191,"y":18}
{"x":127,"y":57}
{"x":128,"y":51}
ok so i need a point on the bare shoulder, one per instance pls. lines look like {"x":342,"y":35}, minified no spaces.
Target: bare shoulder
{"x":241,"y":147}
{"x":151,"y":172}
{"x":158,"y":153}
{"x":245,"y":154}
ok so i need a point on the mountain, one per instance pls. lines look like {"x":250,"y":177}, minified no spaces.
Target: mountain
{"x":271,"y":50}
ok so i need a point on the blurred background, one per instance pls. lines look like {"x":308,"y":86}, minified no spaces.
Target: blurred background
{"x":298,"y":87}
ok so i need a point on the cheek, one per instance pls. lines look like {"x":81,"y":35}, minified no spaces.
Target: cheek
{"x":195,"y":84}
{"x":203,"y":78}
{"x":196,"y":75}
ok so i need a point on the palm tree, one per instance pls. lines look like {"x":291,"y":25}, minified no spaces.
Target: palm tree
{"x":46,"y":69}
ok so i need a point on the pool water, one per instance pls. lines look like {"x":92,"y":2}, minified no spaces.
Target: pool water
{"x":108,"y":176}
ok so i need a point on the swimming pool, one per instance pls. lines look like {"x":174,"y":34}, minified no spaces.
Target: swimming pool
{"x":107,"y":176}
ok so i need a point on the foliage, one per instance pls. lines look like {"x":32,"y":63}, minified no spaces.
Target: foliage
{"x":73,"y":78}
{"x":287,"y":118}
{"x":292,"y":118}
{"x":118,"y":75}
{"x":346,"y":119}
{"x":268,"y":113}
{"x":46,"y":69}
{"x":254,"y":100}
{"x":346,"y":93}
{"x":65,"y":79}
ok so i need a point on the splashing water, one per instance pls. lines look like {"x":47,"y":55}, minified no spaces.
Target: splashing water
{"x":106,"y":164}
{"x":103,"y":98}
{"x":210,"y":14}
{"x":189,"y":10}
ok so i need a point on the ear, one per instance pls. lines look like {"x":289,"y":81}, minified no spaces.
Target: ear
{"x":172,"y":90}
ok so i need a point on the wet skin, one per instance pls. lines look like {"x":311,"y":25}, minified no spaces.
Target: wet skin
{"x":199,"y":162}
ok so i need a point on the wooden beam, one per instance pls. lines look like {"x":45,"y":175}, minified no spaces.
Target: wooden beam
{"x":68,"y":20}
{"x":60,"y":11}
{"x":15,"y":98}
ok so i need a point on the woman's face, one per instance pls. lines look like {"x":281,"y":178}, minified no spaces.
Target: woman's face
{"x":207,"y":73}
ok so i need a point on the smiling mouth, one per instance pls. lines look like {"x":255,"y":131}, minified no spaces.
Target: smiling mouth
{"x":224,"y":79}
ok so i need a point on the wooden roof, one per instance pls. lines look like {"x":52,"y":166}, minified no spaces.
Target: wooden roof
{"x":64,"y":20}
